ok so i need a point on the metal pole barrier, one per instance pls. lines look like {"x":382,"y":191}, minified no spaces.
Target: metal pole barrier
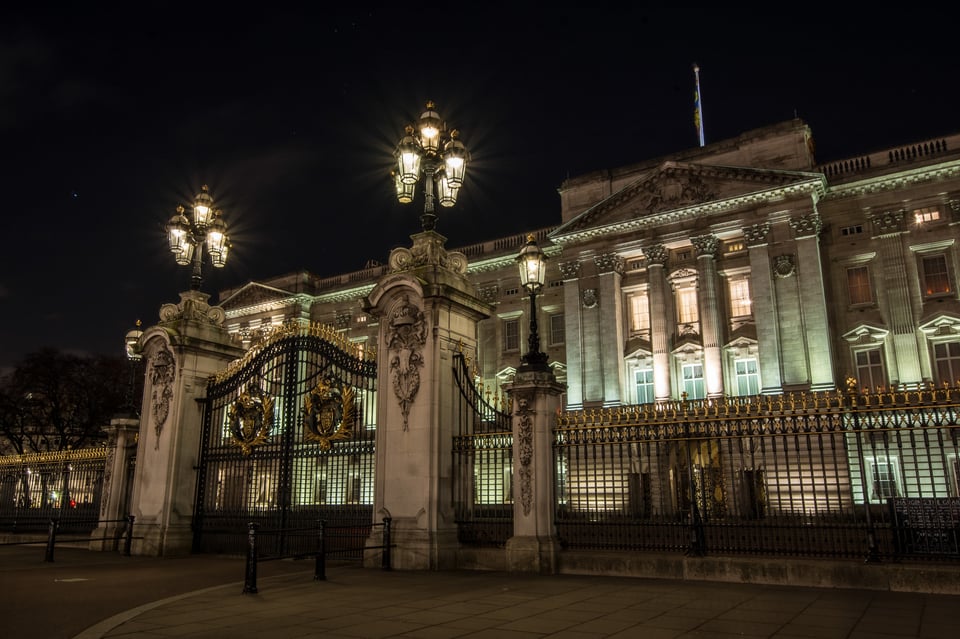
{"x":385,"y":565}
{"x":128,"y":538}
{"x":51,"y":540}
{"x":250,"y":580}
{"x":320,"y":571}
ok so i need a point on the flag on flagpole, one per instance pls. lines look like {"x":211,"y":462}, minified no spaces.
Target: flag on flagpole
{"x":697,"y":106}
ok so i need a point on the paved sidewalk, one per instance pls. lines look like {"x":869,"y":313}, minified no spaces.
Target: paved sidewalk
{"x":356,"y":602}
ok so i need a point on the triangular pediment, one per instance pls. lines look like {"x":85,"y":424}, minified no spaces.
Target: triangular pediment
{"x":254,"y":294}
{"x":674,"y":189}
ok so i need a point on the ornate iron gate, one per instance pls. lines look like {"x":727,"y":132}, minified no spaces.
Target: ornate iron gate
{"x":288,"y":440}
{"x":483,"y":462}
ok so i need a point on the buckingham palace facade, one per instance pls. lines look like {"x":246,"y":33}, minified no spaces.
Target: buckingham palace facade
{"x":738,"y":268}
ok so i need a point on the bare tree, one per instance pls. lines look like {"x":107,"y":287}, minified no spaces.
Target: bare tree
{"x":54,"y":401}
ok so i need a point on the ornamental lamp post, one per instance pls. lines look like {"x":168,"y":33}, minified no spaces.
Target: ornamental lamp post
{"x":532,"y":262}
{"x":188,"y":236}
{"x":439,"y":156}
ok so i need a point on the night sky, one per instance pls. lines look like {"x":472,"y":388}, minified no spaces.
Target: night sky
{"x":110,"y":119}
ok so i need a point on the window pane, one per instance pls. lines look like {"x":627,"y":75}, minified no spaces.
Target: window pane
{"x":740,"y":304}
{"x":858,"y":285}
{"x":639,"y":313}
{"x":687,"y":306}
{"x":693,"y":381}
{"x":935,"y":278}
{"x":644,"y":382}
{"x":557,"y":334}
{"x":870,"y":372}
{"x":947,"y":359}
{"x":748,"y":381}
{"x":511,"y":335}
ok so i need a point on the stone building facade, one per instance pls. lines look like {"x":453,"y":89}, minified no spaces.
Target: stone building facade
{"x":739,"y":268}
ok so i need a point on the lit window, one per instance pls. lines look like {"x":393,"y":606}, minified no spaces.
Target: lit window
{"x":748,"y":377}
{"x":936,"y":280}
{"x":687,"y":306}
{"x":870,"y":369}
{"x":644,"y":381}
{"x":639,"y":313}
{"x":735,"y":247}
{"x":557,"y":330}
{"x":858,"y":285}
{"x":884,"y":478}
{"x":946,"y":356}
{"x":928,"y":214}
{"x":511,"y":335}
{"x":740,"y":304}
{"x":693,"y":381}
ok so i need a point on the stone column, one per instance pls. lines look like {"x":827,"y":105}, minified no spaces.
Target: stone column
{"x":534,"y":546}
{"x":813,"y":301}
{"x":899,"y":312}
{"x":762,"y":297}
{"x":427,"y":312}
{"x":182,"y":352}
{"x":711,"y":330}
{"x":660,"y":319}
{"x":610,"y":273}
{"x":572,"y":315}
{"x":114,"y":500}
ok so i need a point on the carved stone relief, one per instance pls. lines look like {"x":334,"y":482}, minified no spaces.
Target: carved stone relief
{"x":784,"y":266}
{"x":524,"y":432}
{"x":591,"y":297}
{"x":407,"y":333}
{"x":162,"y":375}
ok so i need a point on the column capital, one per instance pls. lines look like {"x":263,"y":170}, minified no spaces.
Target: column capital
{"x":609,"y":263}
{"x":656,"y":254}
{"x":569,"y":270}
{"x":807,"y":225}
{"x":887,"y":222}
{"x":706,"y":245}
{"x":757,"y":234}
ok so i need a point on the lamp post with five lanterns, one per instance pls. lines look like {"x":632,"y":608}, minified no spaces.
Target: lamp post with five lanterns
{"x":188,"y":236}
{"x":439,"y":156}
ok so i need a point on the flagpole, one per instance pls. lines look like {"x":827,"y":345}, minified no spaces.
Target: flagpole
{"x":698,"y":115}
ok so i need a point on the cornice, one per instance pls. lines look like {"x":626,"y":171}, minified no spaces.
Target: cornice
{"x":506,"y":261}
{"x":812,"y":186}
{"x":894,"y":181}
{"x":270,"y":305}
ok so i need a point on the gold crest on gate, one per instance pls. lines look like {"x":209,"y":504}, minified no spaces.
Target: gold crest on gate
{"x":249,"y":419}
{"x":328,"y":414}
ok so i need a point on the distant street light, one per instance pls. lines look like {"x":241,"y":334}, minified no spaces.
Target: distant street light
{"x":187,"y":237}
{"x":131,"y":342}
{"x":533,"y":262}
{"x":430,"y":150}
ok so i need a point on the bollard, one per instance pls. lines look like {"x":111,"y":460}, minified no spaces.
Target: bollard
{"x":51,"y":540}
{"x":386,"y":544}
{"x":320,"y":572}
{"x":250,"y":579}
{"x":128,"y":538}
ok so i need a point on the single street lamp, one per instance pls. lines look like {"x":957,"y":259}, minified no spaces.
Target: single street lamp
{"x":187,"y":236}
{"x":428,"y":149}
{"x":532,"y":262}
{"x":131,"y":342}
